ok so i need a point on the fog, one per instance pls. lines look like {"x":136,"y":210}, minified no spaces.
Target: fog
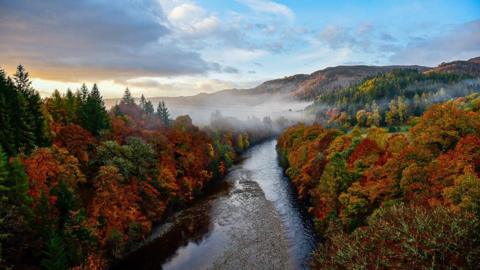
{"x":428,"y":94}
{"x":239,"y":109}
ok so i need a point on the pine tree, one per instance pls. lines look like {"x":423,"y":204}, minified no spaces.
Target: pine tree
{"x":71,"y":106}
{"x":93,"y":115}
{"x":7,"y":93}
{"x":163,"y":113}
{"x":83,"y":94}
{"x":3,"y":196}
{"x":55,"y":258}
{"x":127,"y":98}
{"x":18,"y":183}
{"x":33,"y":110}
{"x":143,"y":102}
{"x":4,"y":189}
{"x":65,"y":202}
{"x":149,"y":110}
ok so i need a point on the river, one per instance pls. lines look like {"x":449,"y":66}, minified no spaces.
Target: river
{"x":249,"y":220}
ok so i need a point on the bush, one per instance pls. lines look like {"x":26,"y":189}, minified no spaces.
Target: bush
{"x":403,"y":237}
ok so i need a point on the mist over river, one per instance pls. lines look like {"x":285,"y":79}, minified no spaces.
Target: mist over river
{"x":249,"y":220}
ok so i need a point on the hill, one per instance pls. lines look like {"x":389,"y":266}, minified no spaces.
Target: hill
{"x":470,"y":67}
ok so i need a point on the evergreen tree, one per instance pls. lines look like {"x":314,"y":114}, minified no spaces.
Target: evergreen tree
{"x":163,"y":113}
{"x":33,"y":114}
{"x":65,"y":202}
{"x":127,"y":98}
{"x":93,"y":115}
{"x":18,"y":183}
{"x":55,"y":258}
{"x":149,"y":110}
{"x":71,"y":107}
{"x":4,"y":189}
{"x":3,"y":196}
{"x":7,"y":130}
{"x":143,"y":102}
{"x":83,"y":94}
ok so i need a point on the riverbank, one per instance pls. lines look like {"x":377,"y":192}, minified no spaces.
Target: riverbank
{"x":248,"y":221}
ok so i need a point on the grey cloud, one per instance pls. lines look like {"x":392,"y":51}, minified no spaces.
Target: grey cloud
{"x":145,"y":83}
{"x":387,"y":37}
{"x":71,"y":40}
{"x":458,"y":42}
{"x":231,"y":70}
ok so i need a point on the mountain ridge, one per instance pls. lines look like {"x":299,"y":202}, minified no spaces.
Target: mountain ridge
{"x":306,"y":87}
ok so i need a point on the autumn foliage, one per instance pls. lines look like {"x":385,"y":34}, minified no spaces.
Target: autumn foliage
{"x":350,"y":177}
{"x":83,"y":200}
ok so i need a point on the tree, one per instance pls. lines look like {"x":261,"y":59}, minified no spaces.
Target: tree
{"x":376,"y":116}
{"x":361,"y":117}
{"x":55,"y":258}
{"x":76,"y":140}
{"x":3,"y":177}
{"x":19,"y":191}
{"x":93,"y":115}
{"x":33,"y":110}
{"x":392,"y":114}
{"x":402,"y":109}
{"x":134,"y":159}
{"x":3,"y":196}
{"x":127,"y":98}
{"x":83,"y":94}
{"x":149,"y":110}
{"x":143,"y":102}
{"x":163,"y":113}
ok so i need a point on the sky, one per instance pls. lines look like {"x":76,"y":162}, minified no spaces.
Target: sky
{"x":186,"y":47}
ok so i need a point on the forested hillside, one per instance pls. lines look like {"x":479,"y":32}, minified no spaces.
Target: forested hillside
{"x":390,"y":99}
{"x":392,"y":200}
{"x":80,"y":185}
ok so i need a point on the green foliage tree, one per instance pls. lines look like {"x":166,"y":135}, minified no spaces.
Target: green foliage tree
{"x":402,"y":109}
{"x":34,"y":107}
{"x":55,"y":257}
{"x":127,"y":98}
{"x":149,"y":110}
{"x":93,"y":115}
{"x":143,"y":102}
{"x":135,"y":158}
{"x":376,"y":115}
{"x":3,"y":196}
{"x":163,"y":114}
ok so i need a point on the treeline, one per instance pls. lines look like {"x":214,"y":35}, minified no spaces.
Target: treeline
{"x":80,"y":185}
{"x":390,"y":99}
{"x":393,"y":200}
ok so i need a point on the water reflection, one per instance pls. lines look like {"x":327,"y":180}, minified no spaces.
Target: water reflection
{"x":249,"y":220}
{"x":180,"y":232}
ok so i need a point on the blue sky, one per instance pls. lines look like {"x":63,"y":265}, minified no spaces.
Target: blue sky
{"x":184,"y":47}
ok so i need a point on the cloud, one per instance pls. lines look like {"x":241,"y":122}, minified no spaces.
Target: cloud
{"x":458,"y":42}
{"x":72,"y":40}
{"x":193,"y":20}
{"x":175,"y":87}
{"x":231,"y":70}
{"x":360,"y":37}
{"x":271,"y":7}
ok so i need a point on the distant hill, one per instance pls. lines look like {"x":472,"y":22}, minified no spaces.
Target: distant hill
{"x":306,"y":87}
{"x":470,"y":67}
{"x":334,"y":78}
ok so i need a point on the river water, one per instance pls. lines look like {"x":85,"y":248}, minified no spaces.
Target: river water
{"x":250,"y":220}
